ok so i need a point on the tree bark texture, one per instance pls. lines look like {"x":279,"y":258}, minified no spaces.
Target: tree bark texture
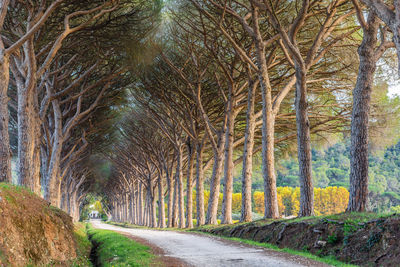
{"x":304,"y":145}
{"x":268,"y":126}
{"x":181,"y":200}
{"x":247,"y":170}
{"x":170,"y":185}
{"x":228,"y":172}
{"x":161,"y":205}
{"x":212,"y":209}
{"x":199,"y":185}
{"x":360,"y":118}
{"x":5,"y":152}
{"x":189,"y":187}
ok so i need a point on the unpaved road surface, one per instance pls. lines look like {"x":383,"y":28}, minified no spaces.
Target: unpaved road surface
{"x":205,"y":251}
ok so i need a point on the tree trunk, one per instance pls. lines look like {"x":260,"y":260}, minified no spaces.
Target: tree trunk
{"x":26,"y":122}
{"x":127,"y":208}
{"x":212,"y":209}
{"x":137,"y":210}
{"x":268,"y":130}
{"x":181,"y":201}
{"x":189,"y":187}
{"x":52,"y":175}
{"x":5,"y":152}
{"x":228,"y":172}
{"x":152,"y":208}
{"x":170,"y":184}
{"x":360,"y":118}
{"x":304,"y":145}
{"x":175,"y":211}
{"x":26,"y":140}
{"x":140,"y":206}
{"x":247,"y":170}
{"x":146,"y":210}
{"x":161,"y":205}
{"x":199,"y":185}
{"x":133,"y":208}
{"x":36,"y":161}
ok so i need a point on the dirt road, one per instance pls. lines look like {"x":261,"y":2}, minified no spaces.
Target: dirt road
{"x":198,"y":250}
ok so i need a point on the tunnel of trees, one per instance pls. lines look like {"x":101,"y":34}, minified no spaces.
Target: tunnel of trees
{"x":183,"y":113}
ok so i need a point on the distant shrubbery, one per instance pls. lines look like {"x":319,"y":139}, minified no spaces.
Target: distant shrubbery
{"x":329,"y":200}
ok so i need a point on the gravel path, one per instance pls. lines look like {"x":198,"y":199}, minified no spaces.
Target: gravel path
{"x":198,"y":250}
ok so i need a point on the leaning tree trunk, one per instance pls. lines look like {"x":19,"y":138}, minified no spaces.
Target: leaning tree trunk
{"x":360,"y":118}
{"x":304,"y":145}
{"x":228,"y":171}
{"x":199,"y":185}
{"x":212,"y":209}
{"x":5,"y":152}
{"x":36,"y":160}
{"x":247,"y":170}
{"x":52,"y":175}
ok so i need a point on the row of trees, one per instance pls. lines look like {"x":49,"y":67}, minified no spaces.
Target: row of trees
{"x":222,"y":89}
{"x":330,"y":200}
{"x":61,"y":74}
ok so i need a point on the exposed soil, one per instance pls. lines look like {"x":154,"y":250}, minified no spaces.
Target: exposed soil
{"x":32,"y":231}
{"x":373,"y":243}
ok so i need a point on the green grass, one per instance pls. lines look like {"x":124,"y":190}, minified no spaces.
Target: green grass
{"x":356,"y":217}
{"x":117,"y":250}
{"x":15,"y":188}
{"x":10,"y":192}
{"x":83,"y":246}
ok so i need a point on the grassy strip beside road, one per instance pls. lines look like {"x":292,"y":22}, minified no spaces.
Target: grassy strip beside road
{"x":113,"y":249}
{"x":83,"y":246}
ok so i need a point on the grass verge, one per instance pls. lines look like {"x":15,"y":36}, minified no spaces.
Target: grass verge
{"x":83,"y":246}
{"x":113,"y":249}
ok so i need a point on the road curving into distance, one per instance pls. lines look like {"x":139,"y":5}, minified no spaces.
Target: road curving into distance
{"x":199,"y":250}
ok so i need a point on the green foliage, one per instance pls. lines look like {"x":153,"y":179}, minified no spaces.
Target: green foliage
{"x":117,"y":250}
{"x":396,"y":209}
{"x":331,"y":167}
{"x":332,"y":239}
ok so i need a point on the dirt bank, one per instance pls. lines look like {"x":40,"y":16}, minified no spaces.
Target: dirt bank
{"x":347,"y":237}
{"x":32,"y":231}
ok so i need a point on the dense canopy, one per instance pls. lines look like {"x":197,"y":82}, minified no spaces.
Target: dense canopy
{"x":201,"y":110}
